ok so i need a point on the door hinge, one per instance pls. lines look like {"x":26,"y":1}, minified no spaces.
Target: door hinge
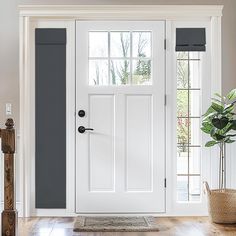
{"x":165,"y":182}
{"x":165,"y":44}
{"x":165,"y":99}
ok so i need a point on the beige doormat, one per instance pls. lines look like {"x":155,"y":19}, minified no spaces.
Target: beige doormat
{"x":115,"y":224}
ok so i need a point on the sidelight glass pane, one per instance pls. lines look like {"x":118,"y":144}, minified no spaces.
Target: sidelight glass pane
{"x":182,"y":131}
{"x":98,"y":44}
{"x":182,"y":188}
{"x":182,"y":103}
{"x":188,"y":160}
{"x":194,"y":188}
{"x":119,"y":72}
{"x":194,"y":74}
{"x":194,"y":131}
{"x":195,"y":160}
{"x":141,"y":73}
{"x":188,"y":126}
{"x":120,"y":44}
{"x":141,"y":44}
{"x":182,"y":55}
{"x":182,"y":159}
{"x":182,"y":74}
{"x":194,"y":55}
{"x":188,"y":131}
{"x":188,"y":103}
{"x":98,"y":72}
{"x":195,"y":103}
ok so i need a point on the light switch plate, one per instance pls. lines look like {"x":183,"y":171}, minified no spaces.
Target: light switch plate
{"x":8,"y":109}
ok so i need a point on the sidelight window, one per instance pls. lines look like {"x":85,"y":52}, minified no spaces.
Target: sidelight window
{"x":188,"y":126}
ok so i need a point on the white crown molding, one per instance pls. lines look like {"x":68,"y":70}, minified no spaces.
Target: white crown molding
{"x":149,"y":12}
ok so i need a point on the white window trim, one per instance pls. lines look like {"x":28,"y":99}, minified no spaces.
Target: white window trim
{"x":69,"y":13}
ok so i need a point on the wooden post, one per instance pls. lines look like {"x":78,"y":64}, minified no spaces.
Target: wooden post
{"x":9,"y":214}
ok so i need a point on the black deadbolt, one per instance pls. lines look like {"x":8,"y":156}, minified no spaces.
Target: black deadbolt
{"x":81,"y":113}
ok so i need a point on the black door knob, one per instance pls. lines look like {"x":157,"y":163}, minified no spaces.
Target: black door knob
{"x":82,"y":129}
{"x":81,"y":113}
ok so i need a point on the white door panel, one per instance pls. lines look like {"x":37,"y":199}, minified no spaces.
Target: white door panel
{"x":120,"y":165}
{"x":101,"y":143}
{"x":139,"y":156}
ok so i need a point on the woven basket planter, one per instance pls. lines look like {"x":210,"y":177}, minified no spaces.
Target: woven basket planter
{"x":221,"y":205}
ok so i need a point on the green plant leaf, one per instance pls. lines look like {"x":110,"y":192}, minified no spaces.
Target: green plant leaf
{"x":229,"y":106}
{"x":217,"y":100}
{"x":219,"y":120}
{"x":206,"y":127}
{"x":217,"y":107}
{"x":208,"y":117}
{"x":232,"y":94}
{"x":209,"y":111}
{"x":231,"y":135}
{"x":220,"y":123}
{"x":218,"y":95}
{"x":233,"y":122}
{"x":219,"y":137}
{"x":206,"y":130}
{"x":226,"y":129}
{"x":211,"y":143}
{"x":213,"y":131}
{"x":230,"y":141}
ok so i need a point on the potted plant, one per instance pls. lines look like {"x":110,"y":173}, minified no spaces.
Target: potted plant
{"x":219,"y":122}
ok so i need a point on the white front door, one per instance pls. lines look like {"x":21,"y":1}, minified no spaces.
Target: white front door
{"x":120,"y":85}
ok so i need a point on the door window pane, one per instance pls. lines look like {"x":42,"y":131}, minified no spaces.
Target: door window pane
{"x":111,"y":52}
{"x":98,"y":44}
{"x":141,"y":72}
{"x":119,"y":72}
{"x":98,"y":72}
{"x":120,"y":44}
{"x":141,"y":44}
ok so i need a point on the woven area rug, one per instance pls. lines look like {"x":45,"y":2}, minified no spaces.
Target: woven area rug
{"x":115,"y":224}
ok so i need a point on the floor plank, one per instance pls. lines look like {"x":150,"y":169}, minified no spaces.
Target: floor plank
{"x":169,"y":226}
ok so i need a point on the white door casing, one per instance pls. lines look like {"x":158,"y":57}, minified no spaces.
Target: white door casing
{"x":120,"y":165}
{"x":28,"y":14}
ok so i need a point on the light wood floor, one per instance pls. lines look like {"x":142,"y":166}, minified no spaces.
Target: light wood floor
{"x":176,"y":226}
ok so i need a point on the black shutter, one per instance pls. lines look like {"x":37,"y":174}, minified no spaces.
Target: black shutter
{"x":190,"y":39}
{"x":50,"y":88}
